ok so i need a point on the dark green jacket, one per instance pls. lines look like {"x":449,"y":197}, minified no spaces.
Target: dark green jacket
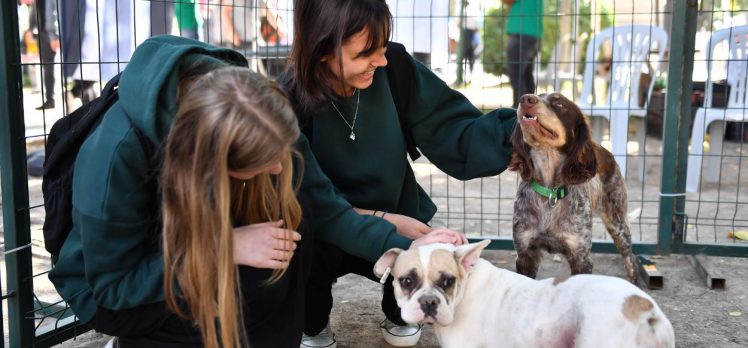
{"x":373,"y":172}
{"x":112,"y":257}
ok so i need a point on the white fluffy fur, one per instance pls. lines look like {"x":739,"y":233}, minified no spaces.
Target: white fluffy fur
{"x":493,"y":307}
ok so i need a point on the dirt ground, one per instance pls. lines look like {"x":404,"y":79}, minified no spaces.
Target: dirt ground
{"x":701,"y":317}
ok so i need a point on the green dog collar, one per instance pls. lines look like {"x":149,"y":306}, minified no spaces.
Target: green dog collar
{"x":553,"y":194}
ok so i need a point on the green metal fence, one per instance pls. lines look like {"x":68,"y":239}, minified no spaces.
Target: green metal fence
{"x":666,"y":216}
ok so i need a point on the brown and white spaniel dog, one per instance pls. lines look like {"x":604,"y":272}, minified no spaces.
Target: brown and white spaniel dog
{"x":566,"y":178}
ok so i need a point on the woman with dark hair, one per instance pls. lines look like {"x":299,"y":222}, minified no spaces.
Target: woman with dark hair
{"x":339,"y":86}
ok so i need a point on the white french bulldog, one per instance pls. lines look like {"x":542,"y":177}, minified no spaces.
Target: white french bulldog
{"x":473,"y":304}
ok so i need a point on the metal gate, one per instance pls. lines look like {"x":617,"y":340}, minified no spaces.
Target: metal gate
{"x":670,"y":219}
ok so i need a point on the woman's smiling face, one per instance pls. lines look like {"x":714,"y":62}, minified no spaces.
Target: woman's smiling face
{"x":358,"y":69}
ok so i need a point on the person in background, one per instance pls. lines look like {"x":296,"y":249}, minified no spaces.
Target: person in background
{"x":95,"y":50}
{"x":341,"y":92}
{"x":422,"y":27}
{"x":161,"y":17}
{"x":232,"y":23}
{"x":524,"y":27}
{"x":470,"y":38}
{"x":186,"y":19}
{"x":44,"y":22}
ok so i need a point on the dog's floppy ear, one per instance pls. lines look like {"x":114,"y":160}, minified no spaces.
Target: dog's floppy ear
{"x":386,"y":260}
{"x":580,"y":164}
{"x":521,"y":155}
{"x":467,"y":255}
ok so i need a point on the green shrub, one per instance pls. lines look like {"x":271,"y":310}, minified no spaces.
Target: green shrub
{"x":494,"y":41}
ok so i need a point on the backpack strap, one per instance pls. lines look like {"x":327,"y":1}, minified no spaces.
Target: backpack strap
{"x":72,"y":130}
{"x":149,"y":148}
{"x":153,"y":153}
{"x":400,"y":74}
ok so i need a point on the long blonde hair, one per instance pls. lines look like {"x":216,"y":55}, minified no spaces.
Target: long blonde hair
{"x":228,"y":119}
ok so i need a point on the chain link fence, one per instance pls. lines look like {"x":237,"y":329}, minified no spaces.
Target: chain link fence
{"x":653,"y":103}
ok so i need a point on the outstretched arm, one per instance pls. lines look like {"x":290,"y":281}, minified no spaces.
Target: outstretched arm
{"x":336,"y":222}
{"x":458,"y":138}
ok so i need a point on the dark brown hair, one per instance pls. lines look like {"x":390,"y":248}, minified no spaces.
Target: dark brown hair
{"x":580,"y":164}
{"x":320,"y":29}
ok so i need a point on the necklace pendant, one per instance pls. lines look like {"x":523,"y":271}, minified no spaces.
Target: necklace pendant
{"x":352,"y":136}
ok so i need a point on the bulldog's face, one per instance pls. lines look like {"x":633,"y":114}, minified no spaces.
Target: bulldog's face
{"x":429,"y":280}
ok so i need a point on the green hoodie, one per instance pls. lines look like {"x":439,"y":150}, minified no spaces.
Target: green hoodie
{"x":112,"y":257}
{"x":373,"y":171}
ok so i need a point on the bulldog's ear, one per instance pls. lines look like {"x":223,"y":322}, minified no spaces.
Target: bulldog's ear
{"x":386,"y":260}
{"x":467,"y":255}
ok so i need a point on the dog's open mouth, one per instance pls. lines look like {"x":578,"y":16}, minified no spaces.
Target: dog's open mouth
{"x":532,"y":121}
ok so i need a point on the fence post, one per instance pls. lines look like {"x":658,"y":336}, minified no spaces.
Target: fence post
{"x":685,"y":124}
{"x":460,"y":55}
{"x":15,"y":197}
{"x":677,"y":120}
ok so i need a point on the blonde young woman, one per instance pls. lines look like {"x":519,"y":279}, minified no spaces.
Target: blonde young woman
{"x":220,"y":188}
{"x":211,"y":256}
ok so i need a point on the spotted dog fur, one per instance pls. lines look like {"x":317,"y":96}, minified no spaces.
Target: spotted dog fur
{"x":553,"y":145}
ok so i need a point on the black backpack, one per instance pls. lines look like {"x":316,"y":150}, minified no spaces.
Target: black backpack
{"x":63,"y":143}
{"x":400,"y":75}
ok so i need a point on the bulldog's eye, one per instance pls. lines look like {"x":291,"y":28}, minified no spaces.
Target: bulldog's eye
{"x":406,"y":282}
{"x":446,"y":282}
{"x":558,"y":105}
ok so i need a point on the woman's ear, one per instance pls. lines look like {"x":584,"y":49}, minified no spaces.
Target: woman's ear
{"x":331,"y":56}
{"x":521,"y":155}
{"x":581,"y":164}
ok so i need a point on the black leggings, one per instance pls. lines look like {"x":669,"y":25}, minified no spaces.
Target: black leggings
{"x":273,"y":317}
{"x":150,"y":325}
{"x":273,"y":314}
{"x":331,"y":263}
{"x":521,"y":53}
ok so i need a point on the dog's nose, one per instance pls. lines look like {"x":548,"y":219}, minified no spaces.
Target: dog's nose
{"x":528,"y":100}
{"x":429,"y":304}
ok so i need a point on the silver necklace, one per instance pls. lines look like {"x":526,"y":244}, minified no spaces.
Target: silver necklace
{"x":352,"y":136}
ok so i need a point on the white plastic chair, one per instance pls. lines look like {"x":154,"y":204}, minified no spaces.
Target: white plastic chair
{"x":631,"y":47}
{"x":735,"y":40}
{"x":562,"y":68}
